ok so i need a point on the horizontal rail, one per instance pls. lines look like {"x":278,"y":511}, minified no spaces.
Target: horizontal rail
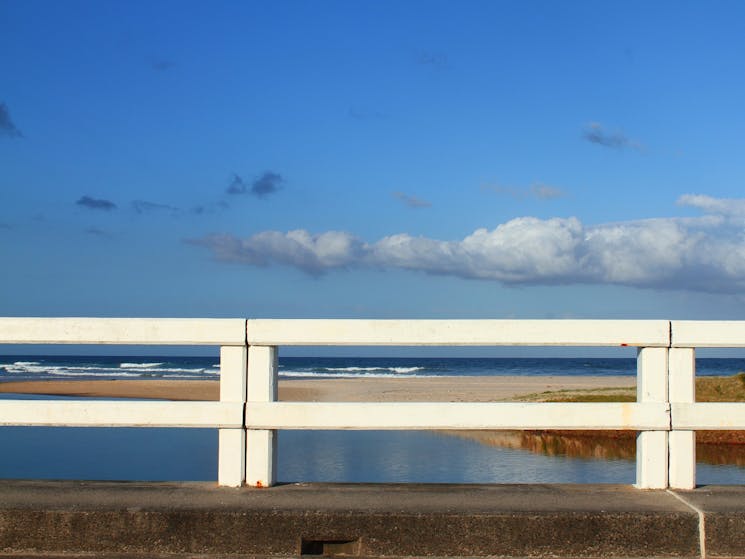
{"x":707,"y":333}
{"x":298,"y":332}
{"x":708,"y":415}
{"x":132,"y":331}
{"x":456,"y":415}
{"x":102,"y":413}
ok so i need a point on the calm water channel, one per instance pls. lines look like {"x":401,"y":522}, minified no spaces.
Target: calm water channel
{"x":340,"y":456}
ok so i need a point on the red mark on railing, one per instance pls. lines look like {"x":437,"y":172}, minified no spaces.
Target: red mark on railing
{"x":624,"y":345}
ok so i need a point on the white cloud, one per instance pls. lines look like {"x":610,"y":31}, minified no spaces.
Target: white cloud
{"x":415,"y":253}
{"x":411,"y":201}
{"x":525,"y":249}
{"x":596,"y":133}
{"x":728,"y":207}
{"x":537,"y":190}
{"x":702,"y":254}
{"x":643,"y":253}
{"x":312,"y":253}
{"x":546,"y":191}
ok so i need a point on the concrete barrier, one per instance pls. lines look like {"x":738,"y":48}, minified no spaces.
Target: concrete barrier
{"x":110,"y":519}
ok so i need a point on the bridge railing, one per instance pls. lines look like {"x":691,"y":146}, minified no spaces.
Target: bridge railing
{"x":686,"y":415}
{"x":650,"y":416}
{"x":227,"y":415}
{"x":248,"y":413}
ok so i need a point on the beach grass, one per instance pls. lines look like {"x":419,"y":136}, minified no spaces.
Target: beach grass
{"x":721,"y":389}
{"x":619,"y":394}
{"x":708,"y":389}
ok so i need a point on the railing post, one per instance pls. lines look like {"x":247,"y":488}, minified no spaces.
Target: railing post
{"x":651,"y":446}
{"x":682,"y":443}
{"x":261,"y":444}
{"x":232,"y":442}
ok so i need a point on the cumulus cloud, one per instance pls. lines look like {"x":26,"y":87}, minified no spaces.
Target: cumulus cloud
{"x":434,"y":59}
{"x":311,"y":253}
{"x":160,"y":65}
{"x":96,"y":232}
{"x":237,"y":186}
{"x":266,"y":184}
{"x":96,"y":203}
{"x":701,"y":254}
{"x":595,"y":133}
{"x":7,"y":127}
{"x":204,"y":209}
{"x":411,"y":201}
{"x":546,"y":191}
{"x":727,"y":207}
{"x":143,"y":206}
{"x":537,"y":190}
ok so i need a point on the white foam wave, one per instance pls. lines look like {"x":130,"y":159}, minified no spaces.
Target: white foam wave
{"x":192,"y":377}
{"x":21,"y":367}
{"x":352,"y":369}
{"x":311,"y":374}
{"x":400,"y":370}
{"x":125,"y":375}
{"x":125,"y":369}
{"x":80,"y":374}
{"x":193,"y":370}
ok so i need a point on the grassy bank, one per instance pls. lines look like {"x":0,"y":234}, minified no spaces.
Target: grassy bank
{"x":708,"y":389}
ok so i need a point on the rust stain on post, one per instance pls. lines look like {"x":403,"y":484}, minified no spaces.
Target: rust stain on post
{"x":626,"y":413}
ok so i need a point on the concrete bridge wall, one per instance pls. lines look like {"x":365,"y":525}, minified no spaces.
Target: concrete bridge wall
{"x":134,"y":519}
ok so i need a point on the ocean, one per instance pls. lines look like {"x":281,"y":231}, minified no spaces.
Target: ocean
{"x":35,"y":367}
{"x":338,"y":456}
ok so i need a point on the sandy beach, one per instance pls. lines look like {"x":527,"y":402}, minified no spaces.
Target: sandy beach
{"x":433,"y":389}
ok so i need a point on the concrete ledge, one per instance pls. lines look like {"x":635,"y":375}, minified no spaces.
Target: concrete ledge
{"x":127,"y":519}
{"x":723,"y":509}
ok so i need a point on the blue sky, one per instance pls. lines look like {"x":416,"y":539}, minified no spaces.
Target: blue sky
{"x":372,"y":159}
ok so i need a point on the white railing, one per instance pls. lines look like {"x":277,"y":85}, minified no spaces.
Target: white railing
{"x":686,"y":414}
{"x":248,"y":413}
{"x":227,"y":415}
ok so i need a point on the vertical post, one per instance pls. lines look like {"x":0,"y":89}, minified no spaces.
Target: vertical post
{"x":682,"y":443}
{"x":261,"y":444}
{"x":232,"y":442}
{"x":651,"y":446}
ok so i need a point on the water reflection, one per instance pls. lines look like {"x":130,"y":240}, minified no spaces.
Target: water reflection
{"x":710,"y":451}
{"x":484,"y":457}
{"x":608,"y":445}
{"x":345,"y":456}
{"x":430,"y":457}
{"x":106,"y":453}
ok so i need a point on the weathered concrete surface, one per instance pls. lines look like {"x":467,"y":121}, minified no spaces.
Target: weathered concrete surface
{"x":724,"y":518}
{"x":125,"y":519}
